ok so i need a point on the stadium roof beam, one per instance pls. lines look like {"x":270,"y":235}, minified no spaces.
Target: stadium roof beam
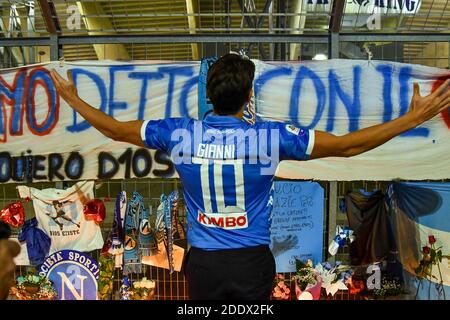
{"x":297,"y":25}
{"x":192,"y":10}
{"x":95,"y":25}
{"x":334,"y":27}
{"x":337,"y":12}
{"x":50,"y":16}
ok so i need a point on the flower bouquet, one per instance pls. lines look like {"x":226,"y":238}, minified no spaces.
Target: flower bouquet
{"x":34,"y":287}
{"x":106,"y":276}
{"x":431,"y":256}
{"x":389,"y":287}
{"x":281,"y":291}
{"x":144,"y":289}
{"x":139,"y":290}
{"x":308,"y":282}
{"x":335,"y":277}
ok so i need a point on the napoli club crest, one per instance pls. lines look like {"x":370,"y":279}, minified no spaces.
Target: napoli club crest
{"x":73,"y":273}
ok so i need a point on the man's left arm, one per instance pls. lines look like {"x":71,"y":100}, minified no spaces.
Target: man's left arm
{"x":421,"y":110}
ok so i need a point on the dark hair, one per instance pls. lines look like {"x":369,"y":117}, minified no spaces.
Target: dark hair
{"x":5,"y":230}
{"x":229,"y":83}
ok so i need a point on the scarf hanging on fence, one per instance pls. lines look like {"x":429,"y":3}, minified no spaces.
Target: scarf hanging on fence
{"x":146,"y":237}
{"x":169,"y":231}
{"x":116,"y":238}
{"x":159,"y":223}
{"x":178,"y":228}
{"x":163,"y":227}
{"x":154,"y":234}
{"x":132,"y":258}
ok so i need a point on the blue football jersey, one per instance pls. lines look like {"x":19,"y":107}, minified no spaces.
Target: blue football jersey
{"x":226,"y":167}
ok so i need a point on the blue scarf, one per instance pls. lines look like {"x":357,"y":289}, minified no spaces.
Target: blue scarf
{"x":38,"y":243}
{"x":164,"y":225}
{"x":178,"y":229}
{"x":132,"y":257}
{"x":168,"y":230}
{"x":116,"y":238}
{"x":146,"y":235}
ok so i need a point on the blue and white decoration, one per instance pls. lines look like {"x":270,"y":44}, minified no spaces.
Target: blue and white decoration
{"x":421,"y":209}
{"x":73,"y":273}
{"x":340,"y":239}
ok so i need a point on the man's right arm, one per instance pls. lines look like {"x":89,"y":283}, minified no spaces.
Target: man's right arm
{"x":125,"y":131}
{"x":421,"y":109}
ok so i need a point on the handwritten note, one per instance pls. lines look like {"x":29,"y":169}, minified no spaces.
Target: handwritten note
{"x":297,"y":223}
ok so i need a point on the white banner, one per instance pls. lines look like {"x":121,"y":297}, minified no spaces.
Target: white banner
{"x":42,"y":139}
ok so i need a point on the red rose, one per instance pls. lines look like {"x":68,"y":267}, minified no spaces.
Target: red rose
{"x":426,"y":249}
{"x":431,"y":239}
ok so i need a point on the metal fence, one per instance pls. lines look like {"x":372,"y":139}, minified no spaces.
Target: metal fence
{"x":173,"y":287}
{"x":190,"y":29}
{"x":432,"y":51}
{"x":168,"y":287}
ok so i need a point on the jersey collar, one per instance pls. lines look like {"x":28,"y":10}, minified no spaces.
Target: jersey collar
{"x":216,"y":120}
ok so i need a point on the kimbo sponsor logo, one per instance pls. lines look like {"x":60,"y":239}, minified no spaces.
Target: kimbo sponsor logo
{"x":227,"y":221}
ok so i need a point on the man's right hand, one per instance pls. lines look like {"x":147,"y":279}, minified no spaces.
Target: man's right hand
{"x":8,"y":250}
{"x":65,"y":88}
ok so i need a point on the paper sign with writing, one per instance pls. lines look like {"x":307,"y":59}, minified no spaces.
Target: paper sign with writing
{"x":297,"y":223}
